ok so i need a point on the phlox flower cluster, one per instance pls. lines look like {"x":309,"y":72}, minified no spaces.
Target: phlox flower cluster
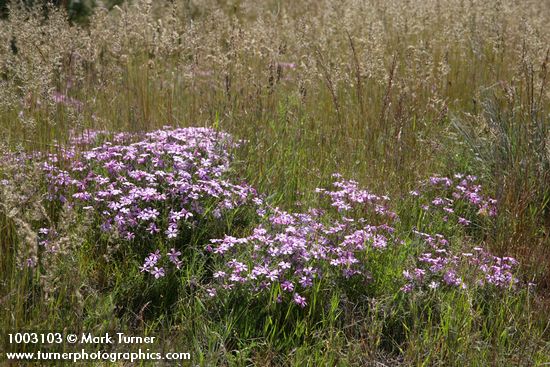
{"x":445,"y":195}
{"x":149,"y":185}
{"x":153,"y":266}
{"x":439,"y":266}
{"x":288,"y":252}
{"x":349,"y":197}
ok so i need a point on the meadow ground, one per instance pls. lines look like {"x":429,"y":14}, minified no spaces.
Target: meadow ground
{"x":279,"y":183}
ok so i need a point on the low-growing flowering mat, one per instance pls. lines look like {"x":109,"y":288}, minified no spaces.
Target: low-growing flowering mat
{"x":149,"y":189}
{"x":449,"y":200}
{"x":149,"y":185}
{"x":289,"y":251}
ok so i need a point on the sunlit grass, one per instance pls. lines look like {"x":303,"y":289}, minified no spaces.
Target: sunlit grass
{"x":386,"y":93}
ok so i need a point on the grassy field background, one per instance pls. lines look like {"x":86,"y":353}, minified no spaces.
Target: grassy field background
{"x":387,"y":93}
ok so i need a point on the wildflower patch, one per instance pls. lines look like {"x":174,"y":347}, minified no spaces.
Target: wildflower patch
{"x":149,"y":189}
